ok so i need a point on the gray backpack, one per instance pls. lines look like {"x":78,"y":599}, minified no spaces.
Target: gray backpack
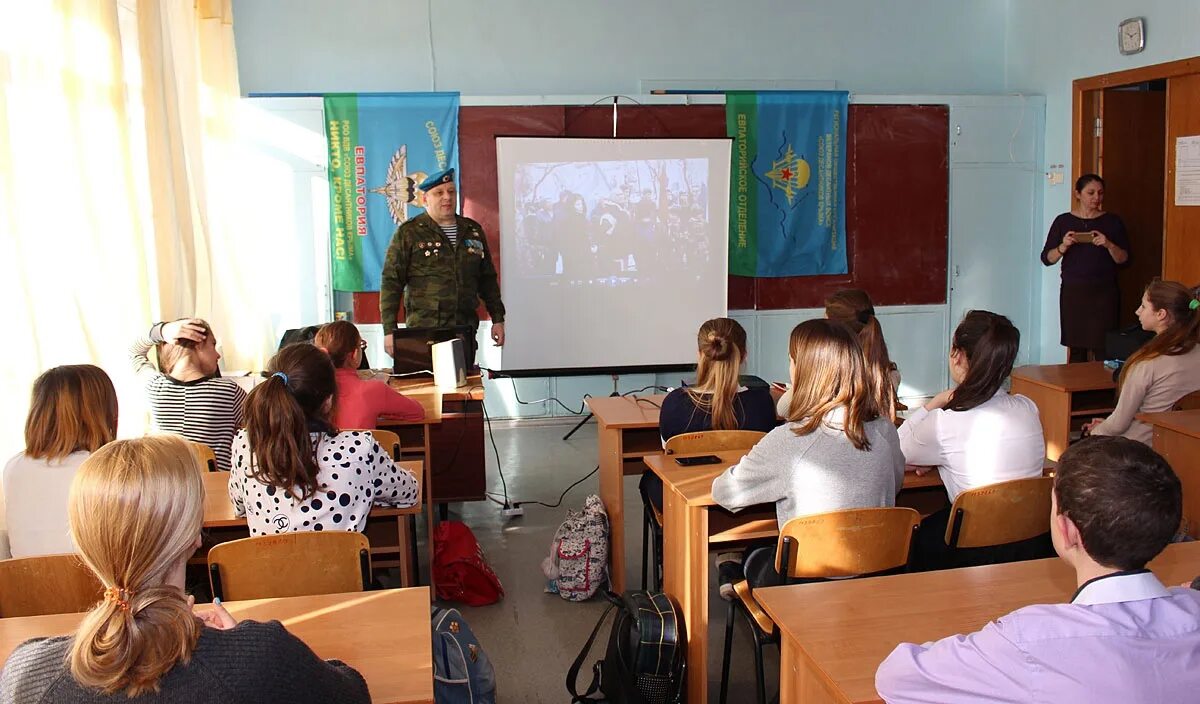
{"x":578,"y":563}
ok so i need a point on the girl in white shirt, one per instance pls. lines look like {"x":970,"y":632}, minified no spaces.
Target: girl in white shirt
{"x":72,"y":413}
{"x":293,"y":471}
{"x":975,"y":433}
{"x":1165,"y":369}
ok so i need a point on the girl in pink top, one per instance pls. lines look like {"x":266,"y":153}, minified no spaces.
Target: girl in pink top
{"x":360,"y":402}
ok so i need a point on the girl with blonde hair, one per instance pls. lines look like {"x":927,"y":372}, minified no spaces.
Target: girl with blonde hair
{"x":136,"y":509}
{"x":72,"y":413}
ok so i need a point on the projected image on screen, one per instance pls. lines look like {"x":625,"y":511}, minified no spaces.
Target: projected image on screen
{"x":613,"y":251}
{"x":611,"y":223}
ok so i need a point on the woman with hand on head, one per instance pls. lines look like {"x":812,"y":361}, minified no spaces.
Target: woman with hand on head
{"x":189,"y":397}
{"x":136,"y":509}
{"x":1090,"y":243}
{"x":72,"y":414}
{"x":293,"y":470}
{"x":360,"y":402}
{"x":1165,"y":369}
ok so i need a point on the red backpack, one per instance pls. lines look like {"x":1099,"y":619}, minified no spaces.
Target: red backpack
{"x":460,"y":570}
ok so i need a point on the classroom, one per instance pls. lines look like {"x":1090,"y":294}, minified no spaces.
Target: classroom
{"x":823,"y":351}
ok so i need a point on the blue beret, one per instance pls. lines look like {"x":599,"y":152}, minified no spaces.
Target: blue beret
{"x":437,"y":179}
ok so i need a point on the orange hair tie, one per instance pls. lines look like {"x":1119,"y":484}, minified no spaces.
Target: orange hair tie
{"x":119,"y":595}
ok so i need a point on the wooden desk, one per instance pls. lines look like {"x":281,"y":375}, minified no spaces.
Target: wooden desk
{"x":628,"y":432}
{"x":831,"y":645}
{"x":1177,"y":438}
{"x":692,"y":525}
{"x":1067,"y":396}
{"x":390,"y":642}
{"x":449,"y":439}
{"x":387,"y":528}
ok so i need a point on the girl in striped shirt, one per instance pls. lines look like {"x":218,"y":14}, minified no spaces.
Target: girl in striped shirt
{"x":189,"y":397}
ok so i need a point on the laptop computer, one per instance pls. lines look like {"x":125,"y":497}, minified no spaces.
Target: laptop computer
{"x":412,"y":348}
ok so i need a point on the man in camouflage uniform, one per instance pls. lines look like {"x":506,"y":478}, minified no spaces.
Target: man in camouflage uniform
{"x":439,"y":262}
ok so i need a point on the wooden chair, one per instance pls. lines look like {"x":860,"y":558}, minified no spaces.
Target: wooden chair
{"x":686,"y":443}
{"x":850,"y":543}
{"x":389,"y":441}
{"x":204,"y":455}
{"x":290,"y":564}
{"x":47,"y":584}
{"x":999,"y":514}
{"x":1191,"y":402}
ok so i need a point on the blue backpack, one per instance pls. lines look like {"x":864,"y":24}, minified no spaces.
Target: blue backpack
{"x":462,"y":673}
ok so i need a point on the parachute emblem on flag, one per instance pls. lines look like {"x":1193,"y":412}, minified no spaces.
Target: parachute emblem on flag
{"x":400,"y":188}
{"x":789,"y":174}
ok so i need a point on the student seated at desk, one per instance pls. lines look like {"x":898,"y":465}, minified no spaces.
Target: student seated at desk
{"x":853,"y":308}
{"x":189,"y":397}
{"x":1165,"y":369}
{"x":1123,"y":638}
{"x":360,"y":402}
{"x":73,"y":413}
{"x":293,"y":471}
{"x":838,"y":450}
{"x":975,"y":433}
{"x":716,"y":401}
{"x":135,"y":512}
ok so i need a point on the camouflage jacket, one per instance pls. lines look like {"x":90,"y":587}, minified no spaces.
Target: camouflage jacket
{"x":441,"y":283}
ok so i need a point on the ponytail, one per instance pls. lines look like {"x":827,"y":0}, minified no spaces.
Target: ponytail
{"x":990,"y":343}
{"x":722,"y":344}
{"x":280,"y":414}
{"x":1183,"y":306}
{"x":135,"y":513}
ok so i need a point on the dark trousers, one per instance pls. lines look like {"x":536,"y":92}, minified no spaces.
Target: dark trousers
{"x":932,"y":553}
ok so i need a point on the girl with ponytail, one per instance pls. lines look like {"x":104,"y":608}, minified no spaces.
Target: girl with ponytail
{"x":293,"y":470}
{"x":1165,"y":369}
{"x":135,"y":510}
{"x":717,"y":401}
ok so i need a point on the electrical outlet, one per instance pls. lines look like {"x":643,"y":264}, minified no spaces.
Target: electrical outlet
{"x":513,"y":512}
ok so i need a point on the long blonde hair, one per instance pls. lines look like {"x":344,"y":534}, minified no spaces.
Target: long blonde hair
{"x":72,"y":408}
{"x":722,"y":344}
{"x":830,"y":372}
{"x":135,"y":510}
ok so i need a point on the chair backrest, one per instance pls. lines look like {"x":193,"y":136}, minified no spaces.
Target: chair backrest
{"x":846,"y":543}
{"x":1000,"y":513}
{"x":712,"y":441}
{"x":204,"y":455}
{"x":389,"y":441}
{"x":290,"y":564}
{"x":1190,"y":402}
{"x":47,"y":584}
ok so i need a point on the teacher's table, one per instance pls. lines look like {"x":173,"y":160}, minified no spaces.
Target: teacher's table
{"x":1177,"y":438}
{"x":1067,"y":396}
{"x":693,"y":524}
{"x":835,"y":634}
{"x":452,"y":446}
{"x":385,"y":635}
{"x":387,"y":528}
{"x":627,"y":432}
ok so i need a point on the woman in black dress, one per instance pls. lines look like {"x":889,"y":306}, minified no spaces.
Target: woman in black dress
{"x":1090,"y":243}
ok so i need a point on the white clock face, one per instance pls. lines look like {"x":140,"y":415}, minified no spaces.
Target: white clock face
{"x":1131,"y":38}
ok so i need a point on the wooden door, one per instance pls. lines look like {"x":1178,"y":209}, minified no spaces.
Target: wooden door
{"x":1132,"y":152}
{"x":1181,"y":246}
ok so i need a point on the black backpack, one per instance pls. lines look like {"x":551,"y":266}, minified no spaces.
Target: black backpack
{"x":644,"y":663}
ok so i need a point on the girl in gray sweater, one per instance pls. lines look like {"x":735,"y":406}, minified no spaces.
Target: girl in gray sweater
{"x":837,"y":450}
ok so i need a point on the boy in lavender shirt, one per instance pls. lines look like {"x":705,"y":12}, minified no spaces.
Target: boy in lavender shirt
{"x":1124,"y":637}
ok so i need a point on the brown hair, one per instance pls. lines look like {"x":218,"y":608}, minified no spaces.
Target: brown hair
{"x":281,"y":411}
{"x":1181,"y":335}
{"x":72,"y":408}
{"x":1122,"y":496}
{"x":135,"y":511}
{"x":339,"y":340}
{"x":853,"y":308}
{"x":722,"y":344}
{"x":990,"y":343}
{"x":830,"y":372}
{"x":172,"y":352}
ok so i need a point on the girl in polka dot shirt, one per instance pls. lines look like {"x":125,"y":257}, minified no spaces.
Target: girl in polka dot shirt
{"x":293,"y":471}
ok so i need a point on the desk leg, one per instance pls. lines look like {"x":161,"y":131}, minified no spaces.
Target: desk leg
{"x":407,"y":578}
{"x":612,"y":493}
{"x":427,"y":484}
{"x":685,"y":580}
{"x":1054,"y":408}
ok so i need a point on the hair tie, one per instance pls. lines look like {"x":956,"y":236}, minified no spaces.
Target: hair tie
{"x":1195,"y":303}
{"x":281,"y":375}
{"x":119,"y":595}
